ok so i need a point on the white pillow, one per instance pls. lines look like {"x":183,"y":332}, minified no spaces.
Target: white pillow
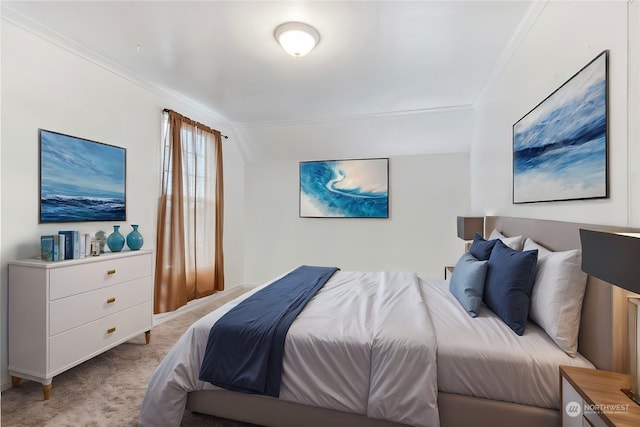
{"x":514,"y":243}
{"x":556,"y":298}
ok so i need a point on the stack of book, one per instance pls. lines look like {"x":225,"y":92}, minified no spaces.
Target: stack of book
{"x":65,"y":245}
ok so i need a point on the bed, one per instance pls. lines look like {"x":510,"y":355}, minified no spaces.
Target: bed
{"x":448,"y":392}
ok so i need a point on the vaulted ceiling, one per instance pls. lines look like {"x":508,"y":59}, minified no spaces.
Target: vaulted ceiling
{"x":374,"y":57}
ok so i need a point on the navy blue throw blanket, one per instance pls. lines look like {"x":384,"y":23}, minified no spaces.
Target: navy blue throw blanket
{"x":246,"y":345}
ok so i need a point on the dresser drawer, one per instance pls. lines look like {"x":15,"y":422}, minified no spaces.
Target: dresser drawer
{"x":67,"y":313}
{"x":73,"y":279}
{"x":79,"y":344}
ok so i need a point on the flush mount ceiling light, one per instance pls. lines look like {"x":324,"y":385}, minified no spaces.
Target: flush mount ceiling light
{"x":296,"y":38}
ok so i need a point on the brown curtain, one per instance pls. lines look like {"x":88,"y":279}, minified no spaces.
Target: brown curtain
{"x":189,"y":259}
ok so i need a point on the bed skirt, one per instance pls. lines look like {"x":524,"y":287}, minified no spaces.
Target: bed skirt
{"x":455,"y":411}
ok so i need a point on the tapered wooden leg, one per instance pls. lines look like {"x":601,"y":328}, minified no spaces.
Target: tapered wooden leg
{"x":147,"y":336}
{"x":15,"y":381}
{"x":46,"y":391}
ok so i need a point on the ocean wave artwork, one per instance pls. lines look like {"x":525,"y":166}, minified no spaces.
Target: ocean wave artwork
{"x":344,"y":189}
{"x":80,"y":180}
{"x":560,"y":147}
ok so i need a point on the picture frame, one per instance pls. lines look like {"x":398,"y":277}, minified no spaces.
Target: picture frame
{"x":353,"y":188}
{"x":80,"y":180}
{"x":560,"y":147}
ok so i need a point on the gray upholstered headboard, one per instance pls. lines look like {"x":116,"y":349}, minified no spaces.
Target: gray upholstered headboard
{"x":603,"y":325}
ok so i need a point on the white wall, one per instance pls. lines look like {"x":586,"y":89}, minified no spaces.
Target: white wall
{"x":426,"y":194}
{"x":633,"y":115}
{"x":428,"y":189}
{"x":3,"y":295}
{"x":47,"y":86}
{"x":375,"y":135}
{"x":564,"y":38}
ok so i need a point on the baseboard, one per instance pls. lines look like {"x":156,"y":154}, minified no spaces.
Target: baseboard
{"x":163,"y":317}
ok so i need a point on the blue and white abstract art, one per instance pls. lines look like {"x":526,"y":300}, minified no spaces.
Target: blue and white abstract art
{"x":560,"y":147}
{"x":344,"y":189}
{"x":80,"y":180}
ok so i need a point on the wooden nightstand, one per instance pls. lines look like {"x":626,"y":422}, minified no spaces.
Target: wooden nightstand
{"x":591,"y":397}
{"x":447,"y":271}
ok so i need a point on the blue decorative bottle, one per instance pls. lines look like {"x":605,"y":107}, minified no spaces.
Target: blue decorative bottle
{"x":134,"y":238}
{"x":115,"y":241}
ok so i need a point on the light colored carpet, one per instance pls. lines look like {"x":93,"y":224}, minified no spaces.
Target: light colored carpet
{"x":108,"y":389}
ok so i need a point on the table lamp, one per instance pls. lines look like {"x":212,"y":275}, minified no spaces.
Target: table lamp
{"x":615,"y":258}
{"x":468,"y":226}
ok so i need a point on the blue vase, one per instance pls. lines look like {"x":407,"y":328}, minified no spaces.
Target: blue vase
{"x":134,"y":238}
{"x":115,"y":241}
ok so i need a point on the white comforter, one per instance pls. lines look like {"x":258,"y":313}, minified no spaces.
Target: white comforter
{"x":364,"y":344}
{"x":483,"y":357}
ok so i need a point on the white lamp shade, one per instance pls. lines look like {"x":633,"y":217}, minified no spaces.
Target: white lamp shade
{"x":297,"y":38}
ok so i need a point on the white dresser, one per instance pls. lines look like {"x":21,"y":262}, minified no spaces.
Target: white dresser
{"x":63,"y":313}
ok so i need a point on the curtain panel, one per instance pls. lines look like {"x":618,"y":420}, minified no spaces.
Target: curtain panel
{"x":189,"y":257}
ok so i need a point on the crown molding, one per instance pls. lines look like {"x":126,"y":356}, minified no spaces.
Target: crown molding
{"x":355,"y":117}
{"x":518,"y":37}
{"x":16,"y":18}
{"x":12,"y":16}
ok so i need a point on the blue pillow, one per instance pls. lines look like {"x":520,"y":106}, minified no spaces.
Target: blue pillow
{"x":507,"y":290}
{"x":480,"y":248}
{"x":467,"y":282}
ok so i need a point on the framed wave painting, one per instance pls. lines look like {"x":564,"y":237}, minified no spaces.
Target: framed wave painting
{"x":344,"y":189}
{"x":81,"y":180}
{"x":560,"y":147}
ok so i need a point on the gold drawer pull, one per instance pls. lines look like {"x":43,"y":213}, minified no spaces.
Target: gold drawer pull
{"x":111,"y":330}
{"x":111,"y":300}
{"x":111,"y":272}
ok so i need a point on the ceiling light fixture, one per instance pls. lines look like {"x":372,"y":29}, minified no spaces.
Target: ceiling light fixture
{"x":296,"y":38}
